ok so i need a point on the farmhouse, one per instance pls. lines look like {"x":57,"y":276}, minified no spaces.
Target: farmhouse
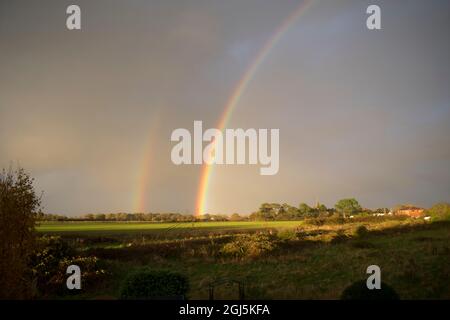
{"x":410,"y":211}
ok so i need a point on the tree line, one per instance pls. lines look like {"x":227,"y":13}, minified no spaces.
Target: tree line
{"x":267,"y":211}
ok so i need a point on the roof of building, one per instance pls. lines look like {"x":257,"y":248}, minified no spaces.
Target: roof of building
{"x":410,"y":208}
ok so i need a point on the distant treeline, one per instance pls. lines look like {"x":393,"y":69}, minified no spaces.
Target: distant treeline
{"x":267,"y":211}
{"x":154,"y":217}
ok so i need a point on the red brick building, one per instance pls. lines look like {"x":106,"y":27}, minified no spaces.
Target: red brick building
{"x":410,"y":211}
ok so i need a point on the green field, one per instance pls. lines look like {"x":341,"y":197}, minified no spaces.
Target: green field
{"x":96,"y":228}
{"x":306,"y":261}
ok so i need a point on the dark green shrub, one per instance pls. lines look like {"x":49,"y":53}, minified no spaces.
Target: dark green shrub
{"x":153,"y":284}
{"x":361,"y":232}
{"x":359,"y":291}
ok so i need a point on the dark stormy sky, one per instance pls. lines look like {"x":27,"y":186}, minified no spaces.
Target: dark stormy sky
{"x":361,"y":113}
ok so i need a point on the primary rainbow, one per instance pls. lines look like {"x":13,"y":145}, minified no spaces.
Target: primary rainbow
{"x":206,"y":171}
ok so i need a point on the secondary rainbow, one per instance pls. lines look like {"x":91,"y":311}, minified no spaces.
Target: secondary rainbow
{"x":207,"y":170}
{"x":140,"y":200}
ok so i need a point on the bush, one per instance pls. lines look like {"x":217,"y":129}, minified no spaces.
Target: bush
{"x":440,"y":211}
{"x":50,"y":262}
{"x":361,"y":232}
{"x":249,"y":246}
{"x":318,"y":222}
{"x":45,"y":262}
{"x":19,"y":205}
{"x":147,"y":284}
{"x":359,"y":291}
{"x":91,"y":271}
{"x":287,"y":235}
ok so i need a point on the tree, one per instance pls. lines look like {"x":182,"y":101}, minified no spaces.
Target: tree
{"x":206,"y":217}
{"x":292,"y":212}
{"x":19,"y":206}
{"x":440,"y":211}
{"x":235,"y":217}
{"x":305,"y":210}
{"x":322,"y":208}
{"x":254,"y":216}
{"x":89,"y":216}
{"x":268,"y":211}
{"x":348,"y":206}
{"x":100,"y":217}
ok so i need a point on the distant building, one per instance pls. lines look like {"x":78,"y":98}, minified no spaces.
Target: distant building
{"x":411,"y":211}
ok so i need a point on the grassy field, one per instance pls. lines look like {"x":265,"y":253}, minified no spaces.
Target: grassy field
{"x":306,"y":261}
{"x":88,"y":228}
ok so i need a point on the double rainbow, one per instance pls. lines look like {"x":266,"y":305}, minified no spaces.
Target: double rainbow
{"x":140,"y":202}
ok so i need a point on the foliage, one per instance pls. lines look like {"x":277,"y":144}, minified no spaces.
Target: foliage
{"x":288,"y":235}
{"x":45,"y":261}
{"x":266,"y":212}
{"x":50,"y":262}
{"x":147,"y":283}
{"x":318,"y":222}
{"x":249,"y":246}
{"x":235,"y":217}
{"x":19,"y":206}
{"x":348,"y":206}
{"x":336,"y":265}
{"x":276,"y":211}
{"x":381,"y":210}
{"x":440,"y":211}
{"x":321,"y":208}
{"x":362,"y":232}
{"x":92,"y":273}
{"x":305,"y":210}
{"x":51,"y":217}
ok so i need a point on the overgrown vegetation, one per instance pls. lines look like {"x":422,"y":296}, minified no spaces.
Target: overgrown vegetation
{"x":249,"y":246}
{"x":19,"y":205}
{"x":303,"y":261}
{"x":49,"y":264}
{"x":440,"y":211}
